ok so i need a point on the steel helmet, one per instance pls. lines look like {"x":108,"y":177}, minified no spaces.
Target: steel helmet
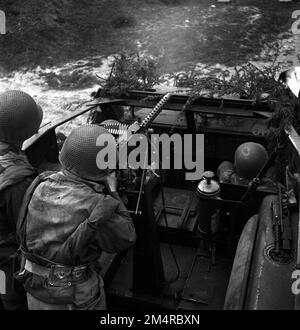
{"x":249,"y":158}
{"x":80,"y":150}
{"x":20,"y":116}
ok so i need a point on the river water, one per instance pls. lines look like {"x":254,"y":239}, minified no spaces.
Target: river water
{"x":57,"y":103}
{"x":61,"y":90}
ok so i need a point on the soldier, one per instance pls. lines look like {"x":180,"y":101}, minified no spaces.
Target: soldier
{"x":249,"y":159}
{"x":69,"y":219}
{"x":20,"y":118}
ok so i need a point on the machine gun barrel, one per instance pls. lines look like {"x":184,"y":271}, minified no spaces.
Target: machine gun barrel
{"x":156,"y":111}
{"x":136,"y":127}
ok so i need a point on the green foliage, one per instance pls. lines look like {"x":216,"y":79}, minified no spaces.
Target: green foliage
{"x":246,"y":81}
{"x":135,"y":72}
{"x":130,"y":72}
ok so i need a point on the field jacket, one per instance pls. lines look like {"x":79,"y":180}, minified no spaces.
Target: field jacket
{"x":16,"y":174}
{"x":70,"y":221}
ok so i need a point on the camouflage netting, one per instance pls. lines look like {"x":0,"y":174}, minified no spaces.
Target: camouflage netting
{"x":130,"y":72}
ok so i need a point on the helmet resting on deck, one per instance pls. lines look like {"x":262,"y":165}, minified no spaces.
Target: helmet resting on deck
{"x":79,"y":152}
{"x":249,"y":158}
{"x":20,"y":116}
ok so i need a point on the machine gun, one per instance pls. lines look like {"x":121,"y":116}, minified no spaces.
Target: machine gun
{"x":281,"y":227}
{"x":147,"y":255}
{"x":124,"y":134}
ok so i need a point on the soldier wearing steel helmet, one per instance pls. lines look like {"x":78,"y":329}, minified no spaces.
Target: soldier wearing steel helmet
{"x":72,"y":217}
{"x":249,"y":159}
{"x":20,"y":118}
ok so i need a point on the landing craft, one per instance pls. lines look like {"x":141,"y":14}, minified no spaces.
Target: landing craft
{"x":201,"y":244}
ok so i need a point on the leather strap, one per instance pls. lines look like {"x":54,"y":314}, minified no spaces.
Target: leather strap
{"x":58,"y":271}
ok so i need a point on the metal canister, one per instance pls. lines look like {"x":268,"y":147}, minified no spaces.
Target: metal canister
{"x":208,"y":190}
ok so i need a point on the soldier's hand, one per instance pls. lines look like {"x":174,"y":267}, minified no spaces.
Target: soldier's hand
{"x":112,"y":181}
